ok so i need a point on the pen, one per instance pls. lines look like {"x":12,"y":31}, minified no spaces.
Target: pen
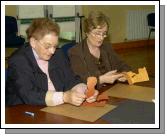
{"x":29,"y":113}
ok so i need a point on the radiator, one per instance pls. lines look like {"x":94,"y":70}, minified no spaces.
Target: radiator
{"x":137,"y":27}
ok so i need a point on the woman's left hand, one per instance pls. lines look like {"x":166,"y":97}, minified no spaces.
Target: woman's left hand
{"x":93,"y":98}
{"x":122,"y":79}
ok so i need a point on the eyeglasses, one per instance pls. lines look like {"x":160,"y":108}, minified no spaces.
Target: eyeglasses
{"x":99,"y":34}
{"x":47,"y":46}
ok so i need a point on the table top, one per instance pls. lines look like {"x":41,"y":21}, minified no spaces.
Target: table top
{"x":16,"y":114}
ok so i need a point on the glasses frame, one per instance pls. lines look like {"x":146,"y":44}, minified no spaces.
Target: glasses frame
{"x":47,"y":47}
{"x":98,"y":34}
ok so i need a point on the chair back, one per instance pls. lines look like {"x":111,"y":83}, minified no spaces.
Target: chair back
{"x":10,"y":25}
{"x":66,"y":47}
{"x":151,"y":19}
{"x":11,"y":36}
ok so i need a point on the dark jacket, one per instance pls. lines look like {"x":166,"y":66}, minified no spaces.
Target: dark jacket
{"x":27,"y":84}
{"x":85,"y":64}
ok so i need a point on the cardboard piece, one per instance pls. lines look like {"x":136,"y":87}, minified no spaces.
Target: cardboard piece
{"x":133,"y":92}
{"x":91,"y":83}
{"x":134,"y":78}
{"x":97,"y":104}
{"x":101,"y":100}
{"x":82,"y":113}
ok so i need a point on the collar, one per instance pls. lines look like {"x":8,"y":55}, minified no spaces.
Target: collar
{"x":37,"y":56}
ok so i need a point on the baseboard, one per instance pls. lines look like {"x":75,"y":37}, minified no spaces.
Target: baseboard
{"x":133,"y":44}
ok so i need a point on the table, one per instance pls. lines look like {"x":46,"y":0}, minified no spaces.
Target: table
{"x":16,"y":115}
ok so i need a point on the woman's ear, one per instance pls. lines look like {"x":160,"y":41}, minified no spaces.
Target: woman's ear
{"x":32,"y":42}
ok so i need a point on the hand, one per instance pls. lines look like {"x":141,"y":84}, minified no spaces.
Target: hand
{"x":110,"y":77}
{"x":76,"y":95}
{"x":81,"y":87}
{"x":73,"y":97}
{"x":122,"y":79}
{"x":93,"y":98}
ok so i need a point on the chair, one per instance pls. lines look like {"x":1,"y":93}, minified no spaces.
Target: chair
{"x":6,"y":74}
{"x":66,"y":47}
{"x":11,"y":29}
{"x":151,"y":23}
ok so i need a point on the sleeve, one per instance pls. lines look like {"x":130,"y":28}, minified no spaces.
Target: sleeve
{"x":69,"y":77}
{"x":77,"y":65}
{"x":54,"y":98}
{"x":116,"y":62}
{"x":21,"y":84}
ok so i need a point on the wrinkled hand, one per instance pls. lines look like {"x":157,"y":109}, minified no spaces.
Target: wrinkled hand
{"x":110,"y":77}
{"x":93,"y":98}
{"x":122,"y":79}
{"x":81,"y":87}
{"x":76,"y":95}
{"x":73,"y":97}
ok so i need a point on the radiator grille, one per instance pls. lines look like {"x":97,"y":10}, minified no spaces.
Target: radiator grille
{"x":137,"y":27}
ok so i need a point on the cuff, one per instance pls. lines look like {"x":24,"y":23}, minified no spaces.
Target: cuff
{"x":54,"y":98}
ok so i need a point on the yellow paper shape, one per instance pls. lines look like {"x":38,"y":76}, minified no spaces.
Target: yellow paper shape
{"x":134,"y":78}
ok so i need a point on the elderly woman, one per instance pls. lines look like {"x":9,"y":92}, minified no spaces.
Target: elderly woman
{"x":92,"y":57}
{"x":39,"y":74}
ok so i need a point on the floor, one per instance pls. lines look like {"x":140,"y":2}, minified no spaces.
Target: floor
{"x":140,"y":57}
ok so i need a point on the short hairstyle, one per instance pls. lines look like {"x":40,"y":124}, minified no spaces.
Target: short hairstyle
{"x":40,"y":27}
{"x":95,"y":19}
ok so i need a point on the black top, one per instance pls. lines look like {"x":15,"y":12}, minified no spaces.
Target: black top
{"x":26,"y":82}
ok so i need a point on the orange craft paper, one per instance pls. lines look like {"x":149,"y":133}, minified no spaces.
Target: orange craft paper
{"x":91,"y":83}
{"x":100,"y":102}
{"x":101,"y":99}
{"x":134,"y":78}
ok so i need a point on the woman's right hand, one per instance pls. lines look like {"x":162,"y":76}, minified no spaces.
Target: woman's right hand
{"x":74,"y":97}
{"x":110,"y":77}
